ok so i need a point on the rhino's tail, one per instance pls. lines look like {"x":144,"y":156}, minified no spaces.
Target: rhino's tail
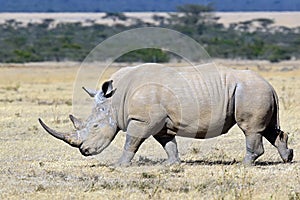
{"x":275,"y":117}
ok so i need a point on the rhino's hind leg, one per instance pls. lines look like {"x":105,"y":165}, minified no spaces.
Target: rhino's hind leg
{"x":254,"y":147}
{"x":279,"y":139}
{"x":285,"y":153}
{"x":169,"y":144}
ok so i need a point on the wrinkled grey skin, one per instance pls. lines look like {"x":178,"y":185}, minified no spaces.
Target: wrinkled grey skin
{"x":154,"y":100}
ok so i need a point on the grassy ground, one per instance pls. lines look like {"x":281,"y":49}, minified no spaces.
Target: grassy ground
{"x":34,"y":165}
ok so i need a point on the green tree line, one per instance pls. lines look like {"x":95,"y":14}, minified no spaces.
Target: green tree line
{"x":253,"y":39}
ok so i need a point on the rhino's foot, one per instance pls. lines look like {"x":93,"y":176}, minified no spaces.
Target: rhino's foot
{"x":125,"y":159}
{"x":290,"y":156}
{"x":250,"y":159}
{"x":254,"y":148}
{"x":170,"y":145}
{"x":287,"y":155}
{"x":248,"y":162}
{"x":122,"y":164}
{"x":170,"y":162}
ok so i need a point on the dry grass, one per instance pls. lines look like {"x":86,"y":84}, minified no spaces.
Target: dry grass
{"x":36,"y":166}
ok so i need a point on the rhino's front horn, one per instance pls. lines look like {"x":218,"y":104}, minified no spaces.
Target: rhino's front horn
{"x":70,"y":138}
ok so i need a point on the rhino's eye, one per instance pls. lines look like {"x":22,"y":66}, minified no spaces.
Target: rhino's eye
{"x":95,"y":125}
{"x":102,"y":109}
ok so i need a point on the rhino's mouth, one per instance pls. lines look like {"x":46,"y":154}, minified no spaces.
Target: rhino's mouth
{"x":70,"y":138}
{"x":88,"y":151}
{"x":85,"y":152}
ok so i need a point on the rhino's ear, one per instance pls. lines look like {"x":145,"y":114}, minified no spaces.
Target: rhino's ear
{"x":107,"y":89}
{"x":90,"y":92}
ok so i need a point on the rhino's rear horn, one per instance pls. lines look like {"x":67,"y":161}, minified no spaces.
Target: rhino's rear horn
{"x":92,"y":93}
{"x":76,"y":122}
{"x":70,"y":138}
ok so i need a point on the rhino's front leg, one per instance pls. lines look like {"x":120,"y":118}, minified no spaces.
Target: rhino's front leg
{"x":132,"y":144}
{"x":169,"y":143}
{"x":137,"y":132}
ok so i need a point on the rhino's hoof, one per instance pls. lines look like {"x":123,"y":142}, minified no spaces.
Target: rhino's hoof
{"x":248,"y":162}
{"x":287,"y":155}
{"x":122,"y":164}
{"x":172,"y":162}
{"x":290,"y":156}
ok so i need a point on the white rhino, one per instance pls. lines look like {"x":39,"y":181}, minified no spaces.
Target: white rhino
{"x":199,"y":102}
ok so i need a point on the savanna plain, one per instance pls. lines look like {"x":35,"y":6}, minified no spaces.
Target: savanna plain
{"x":35,"y":165}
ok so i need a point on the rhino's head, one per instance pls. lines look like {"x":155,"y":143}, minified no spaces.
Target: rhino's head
{"x":97,"y":132}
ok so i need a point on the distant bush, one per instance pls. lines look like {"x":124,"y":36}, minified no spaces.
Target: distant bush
{"x":252,"y":39}
{"x":145,"y":55}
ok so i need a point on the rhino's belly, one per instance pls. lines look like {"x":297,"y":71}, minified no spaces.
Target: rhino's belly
{"x":201,"y":130}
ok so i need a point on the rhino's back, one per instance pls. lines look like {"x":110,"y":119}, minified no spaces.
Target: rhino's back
{"x":198,"y":100}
